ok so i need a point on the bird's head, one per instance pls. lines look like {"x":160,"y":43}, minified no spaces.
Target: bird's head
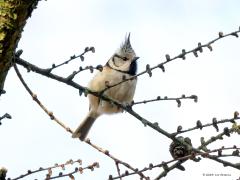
{"x":124,"y":59}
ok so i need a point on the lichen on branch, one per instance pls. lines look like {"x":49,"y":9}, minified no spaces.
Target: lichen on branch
{"x":13,"y":16}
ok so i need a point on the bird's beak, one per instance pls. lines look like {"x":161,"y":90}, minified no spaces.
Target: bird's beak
{"x":135,"y":58}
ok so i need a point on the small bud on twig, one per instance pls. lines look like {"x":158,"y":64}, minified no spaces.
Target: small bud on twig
{"x":92,"y":49}
{"x":195,"y":53}
{"x":183,"y":54}
{"x":200,"y":47}
{"x":91,"y":69}
{"x":178,"y":102}
{"x":235,"y":153}
{"x":168,"y":57}
{"x":148,"y":69}
{"x":86,"y":49}
{"x":72,"y":57}
{"x":202,"y":140}
{"x":99,"y":67}
{"x":199,"y":124}
{"x":195,"y":98}
{"x":161,"y":67}
{"x":209,"y":47}
{"x":220,"y":34}
{"x":150,"y":166}
{"x":236,"y":114}
{"x":82,"y":58}
{"x":214,"y":122}
{"x":226,"y":131}
{"x":235,"y":34}
{"x":179,"y":128}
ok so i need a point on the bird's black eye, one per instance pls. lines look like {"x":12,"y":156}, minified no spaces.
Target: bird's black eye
{"x":123,"y":58}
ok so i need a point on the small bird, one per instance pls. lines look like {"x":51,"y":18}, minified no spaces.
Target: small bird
{"x":122,"y":64}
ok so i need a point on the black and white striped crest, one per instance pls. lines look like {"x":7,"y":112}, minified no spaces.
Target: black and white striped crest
{"x":126,"y":46}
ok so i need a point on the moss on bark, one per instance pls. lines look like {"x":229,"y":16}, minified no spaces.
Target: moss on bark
{"x":13,"y":16}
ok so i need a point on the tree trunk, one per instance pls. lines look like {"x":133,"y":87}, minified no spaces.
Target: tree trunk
{"x":13,"y":16}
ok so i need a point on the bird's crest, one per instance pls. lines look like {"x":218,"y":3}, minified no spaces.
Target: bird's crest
{"x":126,"y":45}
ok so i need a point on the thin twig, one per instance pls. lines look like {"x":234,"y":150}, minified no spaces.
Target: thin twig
{"x":77,"y":170}
{"x":30,"y":172}
{"x":91,"y":68}
{"x":118,"y":170}
{"x":204,"y":144}
{"x":35,"y":98}
{"x":158,"y":98}
{"x":164,"y":173}
{"x":81,"y":56}
{"x":214,"y":124}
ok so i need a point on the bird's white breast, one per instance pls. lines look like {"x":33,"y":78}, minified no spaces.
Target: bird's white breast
{"x":122,"y":93}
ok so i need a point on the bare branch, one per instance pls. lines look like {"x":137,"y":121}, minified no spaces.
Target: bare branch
{"x":35,"y":98}
{"x":118,"y":170}
{"x":204,"y":144}
{"x":91,"y":68}
{"x":81,"y":56}
{"x":62,"y":166}
{"x":214,"y":124}
{"x":159,"y":98}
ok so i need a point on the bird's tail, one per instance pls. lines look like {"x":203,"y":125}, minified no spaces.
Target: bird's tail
{"x":83,"y":129}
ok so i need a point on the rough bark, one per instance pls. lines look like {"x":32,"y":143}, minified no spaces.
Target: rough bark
{"x":13,"y":16}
